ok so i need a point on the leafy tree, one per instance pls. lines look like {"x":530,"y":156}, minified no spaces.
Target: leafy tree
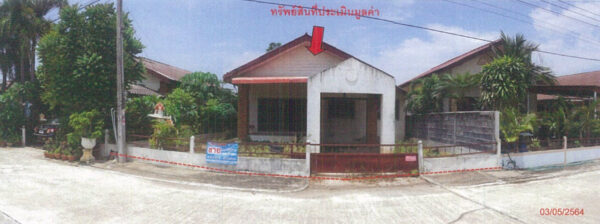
{"x":217,"y":116}
{"x":424,"y":95}
{"x":504,"y":83}
{"x":136,"y":113}
{"x":201,"y":85}
{"x":11,"y":112}
{"x":273,"y":46}
{"x":78,"y":60}
{"x":583,"y":120}
{"x":182,"y":106}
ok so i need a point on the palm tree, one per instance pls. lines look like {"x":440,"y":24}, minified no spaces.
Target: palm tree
{"x":519,"y":47}
{"x":424,"y":95}
{"x":22,"y":24}
{"x":456,"y":87}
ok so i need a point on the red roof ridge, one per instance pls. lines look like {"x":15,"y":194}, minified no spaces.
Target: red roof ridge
{"x":453,"y":61}
{"x":268,"y":55}
{"x":175,"y":75}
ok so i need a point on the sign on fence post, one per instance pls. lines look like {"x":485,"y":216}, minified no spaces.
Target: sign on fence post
{"x":222,"y":153}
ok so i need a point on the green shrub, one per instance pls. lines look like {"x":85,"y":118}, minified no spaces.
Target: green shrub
{"x":85,"y":124}
{"x":138,"y":108}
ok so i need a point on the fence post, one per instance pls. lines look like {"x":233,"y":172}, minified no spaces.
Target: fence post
{"x":565,"y":150}
{"x":497,"y":137}
{"x":192,"y":144}
{"x":23,"y":135}
{"x":307,"y":161}
{"x":106,"y":138}
{"x":420,"y":151}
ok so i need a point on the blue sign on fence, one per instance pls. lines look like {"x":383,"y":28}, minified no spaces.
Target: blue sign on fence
{"x":222,"y":153}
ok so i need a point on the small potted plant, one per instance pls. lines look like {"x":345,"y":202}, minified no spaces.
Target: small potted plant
{"x":56,"y":153}
{"x":87,"y":126}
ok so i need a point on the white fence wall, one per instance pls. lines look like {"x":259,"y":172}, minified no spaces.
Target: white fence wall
{"x":552,"y":157}
{"x":250,"y":164}
{"x":460,"y":162}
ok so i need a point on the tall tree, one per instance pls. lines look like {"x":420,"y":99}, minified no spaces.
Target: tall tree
{"x":78,"y":63}
{"x":522,"y":49}
{"x":22,"y":23}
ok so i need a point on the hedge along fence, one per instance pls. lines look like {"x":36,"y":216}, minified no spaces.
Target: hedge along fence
{"x":456,"y":128}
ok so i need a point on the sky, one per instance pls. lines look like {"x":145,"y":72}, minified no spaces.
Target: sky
{"x":220,"y":35}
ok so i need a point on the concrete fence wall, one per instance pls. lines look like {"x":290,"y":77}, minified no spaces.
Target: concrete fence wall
{"x":455,"y":127}
{"x":250,"y":164}
{"x":526,"y":160}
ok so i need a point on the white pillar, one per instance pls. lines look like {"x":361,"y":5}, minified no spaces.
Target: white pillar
{"x":307,"y":160}
{"x":497,"y":137}
{"x":192,"y":144}
{"x":313,"y":115}
{"x":388,"y":125}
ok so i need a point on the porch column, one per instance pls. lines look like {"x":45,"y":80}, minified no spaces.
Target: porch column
{"x":372,"y":109}
{"x":313,"y":115}
{"x":242,"y":115}
{"x":388,"y":129}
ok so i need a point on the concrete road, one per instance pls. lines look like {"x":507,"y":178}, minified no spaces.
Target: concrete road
{"x":37,"y":190}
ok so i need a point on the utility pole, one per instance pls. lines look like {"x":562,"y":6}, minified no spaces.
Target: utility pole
{"x":121,"y":147}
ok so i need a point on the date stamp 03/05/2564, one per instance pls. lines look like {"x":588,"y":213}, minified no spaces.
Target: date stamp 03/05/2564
{"x":561,"y":211}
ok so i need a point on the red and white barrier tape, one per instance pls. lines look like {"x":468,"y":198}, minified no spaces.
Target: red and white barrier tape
{"x":298,"y":176}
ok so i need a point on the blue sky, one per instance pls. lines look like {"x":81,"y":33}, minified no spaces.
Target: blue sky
{"x":218,"y":36}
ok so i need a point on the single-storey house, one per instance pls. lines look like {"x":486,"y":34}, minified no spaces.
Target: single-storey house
{"x":290,"y":94}
{"x":471,"y":62}
{"x":159,"y":78}
{"x":578,"y":88}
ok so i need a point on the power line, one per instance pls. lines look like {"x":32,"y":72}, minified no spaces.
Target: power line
{"x":577,"y":7}
{"x":418,"y":27}
{"x":554,"y":12}
{"x":549,"y":26}
{"x":567,"y":9}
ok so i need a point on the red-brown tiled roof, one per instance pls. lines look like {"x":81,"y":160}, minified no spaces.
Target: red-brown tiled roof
{"x":163,"y":70}
{"x":304,"y":38}
{"x":455,"y":61}
{"x":142,"y":90}
{"x":580,"y":79}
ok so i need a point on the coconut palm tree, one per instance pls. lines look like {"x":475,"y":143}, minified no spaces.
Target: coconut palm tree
{"x":519,"y":47}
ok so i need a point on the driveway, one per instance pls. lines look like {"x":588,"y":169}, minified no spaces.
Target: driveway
{"x":38,"y":190}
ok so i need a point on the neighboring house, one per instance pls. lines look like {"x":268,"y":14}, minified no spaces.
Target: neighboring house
{"x":470,"y":62}
{"x":289,"y":94}
{"x":578,"y":88}
{"x":159,"y":78}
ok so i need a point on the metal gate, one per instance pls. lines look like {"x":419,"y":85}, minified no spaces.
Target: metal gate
{"x":363,"y":162}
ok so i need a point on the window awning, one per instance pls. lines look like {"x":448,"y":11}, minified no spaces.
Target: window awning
{"x":268,"y":80}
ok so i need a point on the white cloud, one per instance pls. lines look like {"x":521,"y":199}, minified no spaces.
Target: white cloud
{"x":585,"y":44}
{"x":414,"y":56}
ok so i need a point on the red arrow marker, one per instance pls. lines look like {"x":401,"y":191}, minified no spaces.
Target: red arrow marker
{"x":317,"y":40}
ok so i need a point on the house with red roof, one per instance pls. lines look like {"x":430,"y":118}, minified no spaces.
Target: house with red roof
{"x":290,"y":94}
{"x":159,"y":78}
{"x":580,"y":88}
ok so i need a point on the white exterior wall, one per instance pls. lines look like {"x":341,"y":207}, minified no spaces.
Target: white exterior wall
{"x":296,"y":62}
{"x":150,"y":82}
{"x":351,"y":76}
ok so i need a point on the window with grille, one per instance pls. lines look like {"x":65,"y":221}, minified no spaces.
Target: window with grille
{"x":282,"y":115}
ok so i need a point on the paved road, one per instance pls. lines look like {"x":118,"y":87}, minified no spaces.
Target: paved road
{"x":36,"y":190}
